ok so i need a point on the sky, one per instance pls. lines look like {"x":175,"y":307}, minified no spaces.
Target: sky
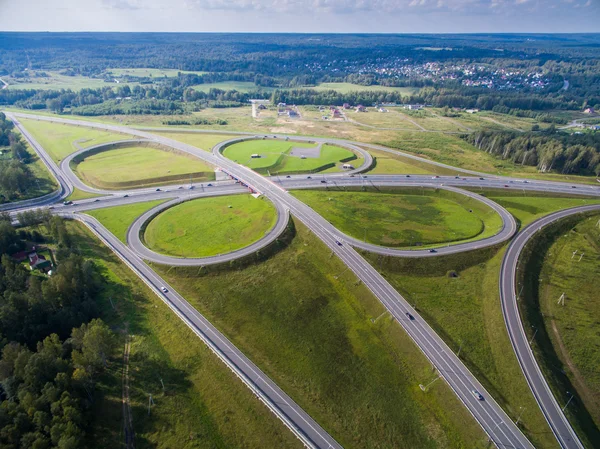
{"x":335,"y":16}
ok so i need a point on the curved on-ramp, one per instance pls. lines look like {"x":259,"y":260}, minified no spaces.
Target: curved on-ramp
{"x":552,"y":411}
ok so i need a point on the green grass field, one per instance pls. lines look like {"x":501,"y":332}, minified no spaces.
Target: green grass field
{"x":572,"y":261}
{"x":309,"y":327}
{"x":345,"y":88}
{"x":275,"y":156}
{"x":81,"y":195}
{"x":209,"y":226}
{"x":141,"y":167}
{"x":403,"y":217}
{"x":204,"y":405}
{"x":117,"y":219}
{"x":465,"y":310}
{"x":240,"y":86}
{"x":58,"y":139}
{"x":199,"y":140}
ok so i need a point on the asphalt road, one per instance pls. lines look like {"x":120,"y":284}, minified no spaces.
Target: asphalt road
{"x":501,"y":430}
{"x":508,"y":294}
{"x":292,"y":415}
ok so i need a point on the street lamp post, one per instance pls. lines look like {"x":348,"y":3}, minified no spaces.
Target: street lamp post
{"x":569,"y":401}
{"x":534,"y":334}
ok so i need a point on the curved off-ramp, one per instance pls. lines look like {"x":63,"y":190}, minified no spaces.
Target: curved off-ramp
{"x":134,"y":238}
{"x":552,"y":411}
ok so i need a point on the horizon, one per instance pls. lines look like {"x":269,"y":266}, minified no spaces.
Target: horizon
{"x":311,"y":17}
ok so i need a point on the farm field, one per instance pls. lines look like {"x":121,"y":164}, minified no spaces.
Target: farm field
{"x":310,"y":328}
{"x":210,"y":226}
{"x":240,"y":86}
{"x":571,"y":261}
{"x":203,"y":404}
{"x":403,"y":217}
{"x":133,"y":167}
{"x":60,"y":140}
{"x":390,"y":119}
{"x":349,"y":87}
{"x":117,"y":219}
{"x":275,"y":156}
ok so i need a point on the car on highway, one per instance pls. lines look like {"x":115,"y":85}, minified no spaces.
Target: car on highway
{"x":526,"y":182}
{"x":158,"y":190}
{"x":191,"y":187}
{"x":288,"y":176}
{"x":164,"y":289}
{"x":208,"y":185}
{"x":457,"y":177}
{"x":338,"y":243}
{"x":432,"y":250}
{"x":410,"y":317}
{"x":125,"y":196}
{"x":96,"y":200}
{"x":180,"y":187}
{"x":408,"y":176}
{"x":573,"y":187}
{"x":68,"y":203}
{"x":435,"y":177}
{"x":323,"y":181}
{"x":505,"y":185}
{"x":309,"y":177}
{"x":477,"y":395}
{"x":481,"y":179}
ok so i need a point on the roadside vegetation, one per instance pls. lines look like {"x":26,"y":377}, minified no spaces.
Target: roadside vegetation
{"x":406,"y":217}
{"x":60,"y":140}
{"x":81,"y":195}
{"x":210,"y":226}
{"x":563,"y":259}
{"x":458,"y":296}
{"x":204,"y":141}
{"x":325,"y":339}
{"x":202,"y":405}
{"x":137,"y":166}
{"x":22,"y":174}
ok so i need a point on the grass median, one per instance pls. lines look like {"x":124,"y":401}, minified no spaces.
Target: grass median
{"x":328,"y":342}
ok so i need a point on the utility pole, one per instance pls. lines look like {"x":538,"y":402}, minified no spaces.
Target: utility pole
{"x":424,"y":388}
{"x":520,"y":414}
{"x":561,"y":299}
{"x":534,"y":334}
{"x":570,"y":399}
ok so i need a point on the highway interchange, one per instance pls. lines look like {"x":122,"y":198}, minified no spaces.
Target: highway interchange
{"x":495,"y":422}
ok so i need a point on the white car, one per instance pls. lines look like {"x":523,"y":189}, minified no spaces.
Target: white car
{"x":164,"y":289}
{"x":477,"y":395}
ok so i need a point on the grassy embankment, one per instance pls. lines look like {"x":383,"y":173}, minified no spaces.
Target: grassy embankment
{"x":275,"y":156}
{"x":404,"y":217}
{"x":135,"y":167}
{"x":199,"y":140}
{"x":58,"y":139}
{"x":566,"y":339}
{"x":466,"y":312}
{"x":210,"y":226}
{"x":202,"y":405}
{"x":327,"y":342}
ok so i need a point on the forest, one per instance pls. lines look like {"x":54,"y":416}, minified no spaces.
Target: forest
{"x":54,"y":347}
{"x":547,"y":150}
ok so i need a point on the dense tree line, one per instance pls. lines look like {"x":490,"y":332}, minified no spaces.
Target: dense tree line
{"x":53,"y":347}
{"x":15,"y":176}
{"x":548,"y":151}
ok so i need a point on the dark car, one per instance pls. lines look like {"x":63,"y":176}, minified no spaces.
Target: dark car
{"x":408,"y":176}
{"x":432,"y":251}
{"x":481,"y":179}
{"x":309,"y":177}
{"x":208,"y":185}
{"x":410,"y":317}
{"x":180,"y":187}
{"x":457,"y":177}
{"x":158,"y":190}
{"x":573,"y":187}
{"x":338,"y":242}
{"x":323,"y":181}
{"x":288,"y":176}
{"x":96,"y":200}
{"x":125,"y":196}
